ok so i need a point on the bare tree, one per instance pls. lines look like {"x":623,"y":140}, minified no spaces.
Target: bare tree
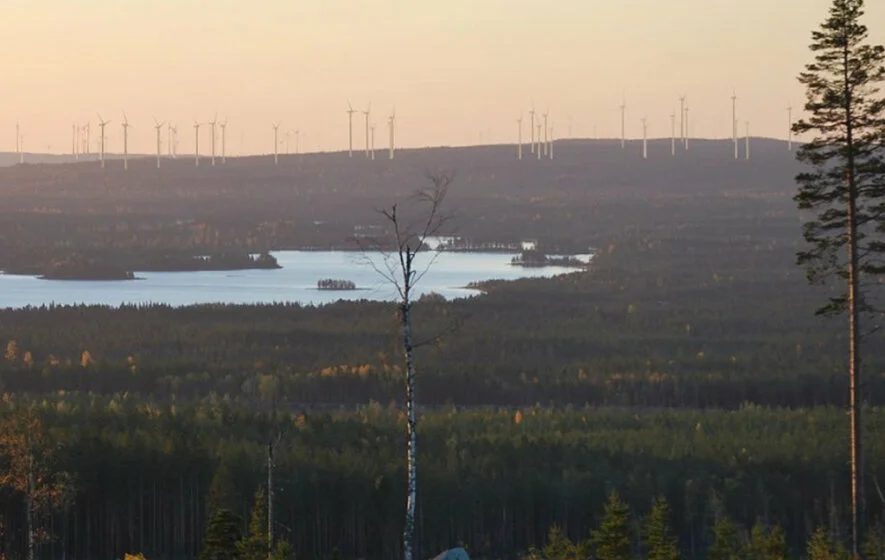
{"x":412,"y":227}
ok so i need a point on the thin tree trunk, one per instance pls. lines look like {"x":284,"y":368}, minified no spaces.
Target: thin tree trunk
{"x":411,"y":419}
{"x":853,"y":328}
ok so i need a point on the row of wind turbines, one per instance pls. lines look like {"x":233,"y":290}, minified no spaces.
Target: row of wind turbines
{"x":546,"y":150}
{"x":540,"y":128}
{"x":81,"y":137}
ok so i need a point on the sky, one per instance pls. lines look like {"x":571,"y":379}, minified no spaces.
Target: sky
{"x":458,"y":72}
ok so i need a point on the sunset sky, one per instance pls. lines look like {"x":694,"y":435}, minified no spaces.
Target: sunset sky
{"x":457,"y":71}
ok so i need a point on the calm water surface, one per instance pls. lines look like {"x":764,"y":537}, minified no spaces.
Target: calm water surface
{"x":295,"y":282}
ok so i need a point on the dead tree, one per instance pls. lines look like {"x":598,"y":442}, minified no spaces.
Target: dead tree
{"x":411,"y":229}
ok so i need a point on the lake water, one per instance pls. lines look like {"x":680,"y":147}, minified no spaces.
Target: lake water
{"x":295,"y":282}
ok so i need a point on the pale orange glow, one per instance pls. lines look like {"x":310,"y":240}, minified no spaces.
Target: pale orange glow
{"x":454,"y":70}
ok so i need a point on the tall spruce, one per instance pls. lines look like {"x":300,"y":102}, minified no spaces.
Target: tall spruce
{"x":661,"y":542}
{"x":612,"y":540}
{"x":845,"y":189}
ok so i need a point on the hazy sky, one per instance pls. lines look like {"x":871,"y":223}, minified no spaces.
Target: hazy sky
{"x":456,"y":70}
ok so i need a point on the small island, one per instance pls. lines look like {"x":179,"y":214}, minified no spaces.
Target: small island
{"x":336,"y":285}
{"x":537,"y":259}
{"x":80,"y":267}
{"x":214,"y":262}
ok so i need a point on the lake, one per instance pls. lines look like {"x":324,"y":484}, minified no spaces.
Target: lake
{"x":295,"y":282}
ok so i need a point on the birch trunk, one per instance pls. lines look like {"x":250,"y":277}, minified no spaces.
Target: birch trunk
{"x":412,"y":424}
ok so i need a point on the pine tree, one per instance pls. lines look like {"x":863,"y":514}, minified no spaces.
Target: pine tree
{"x":820,"y":547}
{"x":845,"y":188}
{"x":558,"y":546}
{"x":726,"y":543}
{"x":766,"y":544}
{"x":254,"y":546}
{"x":222,"y":536}
{"x":662,"y":544}
{"x":612,"y":540}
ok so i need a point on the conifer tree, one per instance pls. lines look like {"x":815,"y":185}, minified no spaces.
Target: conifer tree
{"x":845,"y":188}
{"x":662,"y":543}
{"x":612,"y":539}
{"x":253,"y":546}
{"x":726,"y":543}
{"x":558,"y":546}
{"x":820,"y":547}
{"x":222,"y":536}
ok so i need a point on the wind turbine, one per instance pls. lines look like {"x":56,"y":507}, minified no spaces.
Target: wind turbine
{"x":682,"y":117}
{"x":350,"y":113}
{"x":546,"y":145}
{"x":734,"y":137}
{"x":538,"y":151}
{"x":686,"y":128}
{"x":276,"y":129}
{"x":519,"y":138}
{"x":623,"y":112}
{"x":532,"y":126}
{"x":159,"y":127}
{"x":366,"y":114}
{"x":223,"y":141}
{"x":550,"y":149}
{"x":173,"y":140}
{"x":644,"y":138}
{"x":126,"y":126}
{"x":391,"y":121}
{"x":672,"y":134}
{"x":196,"y":143}
{"x":212,"y":124}
{"x":74,"y":131}
{"x":790,"y":128}
{"x":102,"y":123}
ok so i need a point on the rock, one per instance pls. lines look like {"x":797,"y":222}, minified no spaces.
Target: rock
{"x":453,"y":554}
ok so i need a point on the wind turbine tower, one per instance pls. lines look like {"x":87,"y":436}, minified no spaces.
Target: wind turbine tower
{"x":734,"y":137}
{"x":687,"y":128}
{"x":546,"y":132}
{"x":790,"y":128}
{"x":350,"y":113}
{"x":223,"y":141}
{"x":682,"y":117}
{"x":276,"y":131}
{"x":159,"y":127}
{"x":538,"y":151}
{"x":372,"y":128}
{"x":532,"y":126}
{"x":88,"y":136}
{"x":196,"y":144}
{"x":550,"y":150}
{"x":366,"y":115}
{"x":212,"y":124}
{"x":623,"y":112}
{"x":644,"y":138}
{"x":391,"y":122}
{"x":74,"y":131}
{"x":672,"y":134}
{"x":126,"y":126}
{"x":102,"y":123}
{"x":519,"y":138}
